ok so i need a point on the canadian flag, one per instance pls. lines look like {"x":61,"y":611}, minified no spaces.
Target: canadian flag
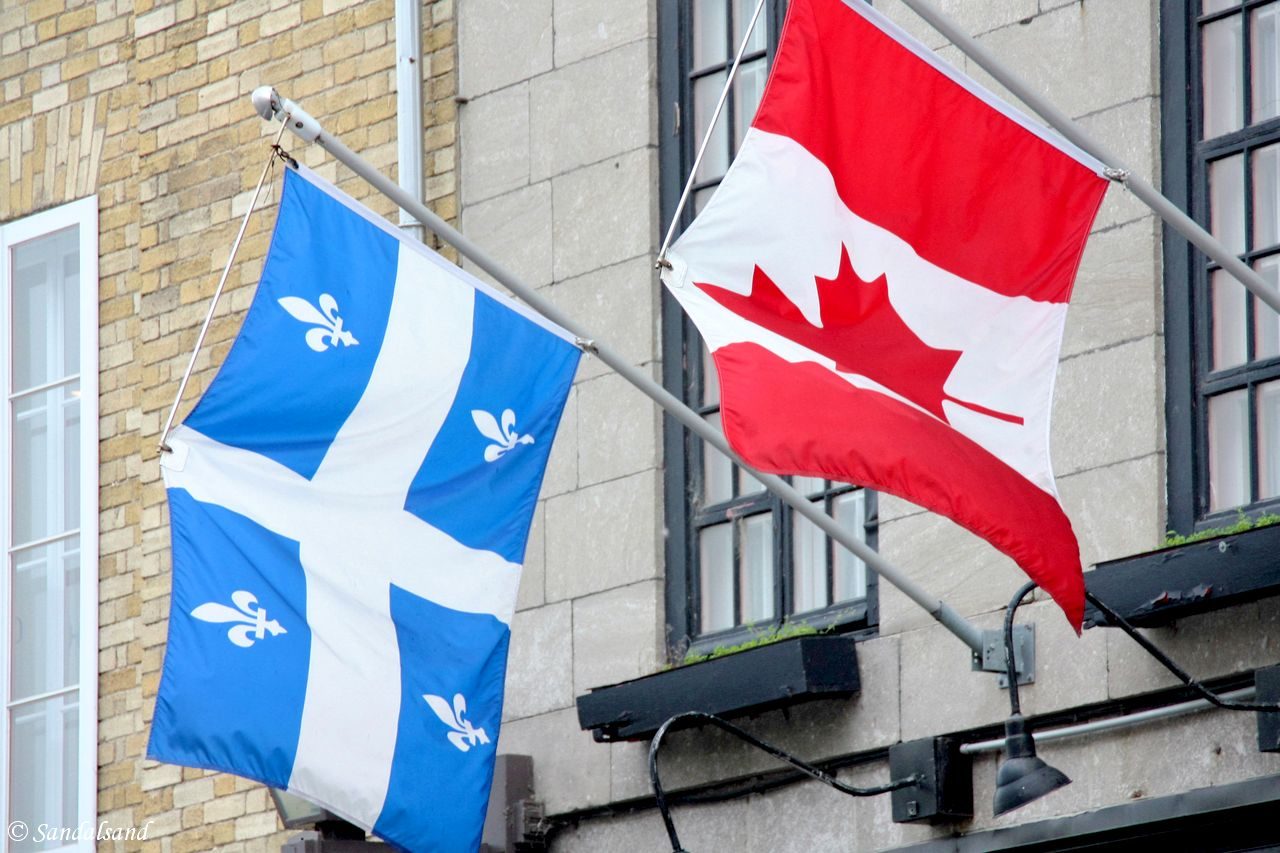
{"x":882,"y":278}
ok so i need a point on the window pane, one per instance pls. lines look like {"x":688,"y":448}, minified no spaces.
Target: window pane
{"x":1269,"y":440}
{"x":809,"y":556}
{"x":46,"y":474}
{"x":748,"y":484}
{"x":1226,"y":201}
{"x":710,"y":380}
{"x":706,"y":93}
{"x":1266,"y":196}
{"x":757,"y":568}
{"x":1211,"y":6}
{"x":43,"y":744}
{"x":747,"y":91}
{"x":809,"y":485}
{"x":710,"y":29}
{"x":715,"y":575}
{"x":1228,"y":320}
{"x":46,"y":317}
{"x":850,"y":573}
{"x":1228,"y":450}
{"x":1266,"y":76}
{"x":45,"y":622}
{"x":741,"y":17}
{"x":717,"y":471}
{"x":702,"y":197}
{"x":1223,"y":77}
{"x":1266,"y":323}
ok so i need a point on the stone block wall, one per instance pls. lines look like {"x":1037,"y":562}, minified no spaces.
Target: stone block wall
{"x":558,"y":154}
{"x":559,"y":180}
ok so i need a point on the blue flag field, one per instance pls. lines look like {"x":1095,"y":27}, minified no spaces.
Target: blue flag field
{"x":350,"y":503}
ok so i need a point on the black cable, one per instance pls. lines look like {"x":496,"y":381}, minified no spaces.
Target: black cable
{"x":1120,"y":622}
{"x":1010,"y":663}
{"x":804,"y":767}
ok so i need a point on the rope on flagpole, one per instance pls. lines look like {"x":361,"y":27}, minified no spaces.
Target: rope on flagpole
{"x":276,"y":152}
{"x":706,"y":139}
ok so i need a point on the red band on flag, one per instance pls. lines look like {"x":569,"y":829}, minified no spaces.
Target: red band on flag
{"x":822,"y":426}
{"x":895,"y":132}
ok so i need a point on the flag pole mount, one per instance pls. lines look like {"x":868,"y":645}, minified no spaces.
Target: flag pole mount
{"x":269,"y":104}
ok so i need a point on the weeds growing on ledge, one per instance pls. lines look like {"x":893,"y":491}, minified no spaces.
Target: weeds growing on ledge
{"x":773,"y":634}
{"x":1243,"y":523}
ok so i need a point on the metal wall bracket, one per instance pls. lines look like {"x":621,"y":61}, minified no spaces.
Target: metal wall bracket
{"x":514,"y":822}
{"x":992,"y":658}
{"x":944,"y":781}
{"x":1267,"y":680}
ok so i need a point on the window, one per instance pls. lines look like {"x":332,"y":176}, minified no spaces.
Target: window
{"x":739,"y":561}
{"x":1222,"y":159}
{"x":49,"y":461}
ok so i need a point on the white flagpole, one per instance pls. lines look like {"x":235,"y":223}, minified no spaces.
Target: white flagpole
{"x":269,"y":105}
{"x":1059,"y":121}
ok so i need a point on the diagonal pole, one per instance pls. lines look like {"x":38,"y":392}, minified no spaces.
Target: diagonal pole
{"x":1059,"y":121}
{"x":269,"y":104}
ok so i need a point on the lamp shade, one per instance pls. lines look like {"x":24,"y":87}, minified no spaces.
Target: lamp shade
{"x":295,"y":811}
{"x":1022,"y":776}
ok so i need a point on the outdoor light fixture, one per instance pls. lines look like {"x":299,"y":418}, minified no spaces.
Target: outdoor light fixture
{"x":1022,"y":776}
{"x":296,"y":812}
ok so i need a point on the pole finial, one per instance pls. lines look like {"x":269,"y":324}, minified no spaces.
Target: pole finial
{"x":265,"y":102}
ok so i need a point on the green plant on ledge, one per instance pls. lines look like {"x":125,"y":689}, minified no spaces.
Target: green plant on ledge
{"x":772,"y":634}
{"x":1243,"y":523}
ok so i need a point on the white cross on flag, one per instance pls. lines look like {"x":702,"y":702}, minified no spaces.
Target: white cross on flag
{"x":350,"y":503}
{"x":882,"y":279}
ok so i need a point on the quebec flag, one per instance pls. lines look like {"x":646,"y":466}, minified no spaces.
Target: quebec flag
{"x":350,"y":503}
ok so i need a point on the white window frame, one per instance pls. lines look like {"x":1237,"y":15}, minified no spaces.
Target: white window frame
{"x":84,"y":214}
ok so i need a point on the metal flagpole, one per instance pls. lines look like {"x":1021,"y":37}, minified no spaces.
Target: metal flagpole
{"x":1059,"y":121}
{"x":269,"y":104}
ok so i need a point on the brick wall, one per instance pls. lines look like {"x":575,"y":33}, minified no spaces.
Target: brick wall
{"x":146,"y":104}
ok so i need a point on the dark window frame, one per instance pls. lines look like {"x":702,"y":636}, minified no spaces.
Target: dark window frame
{"x":681,"y":350}
{"x":1188,"y":332}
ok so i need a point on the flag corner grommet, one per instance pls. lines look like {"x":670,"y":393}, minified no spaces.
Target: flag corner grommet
{"x":175,"y":459}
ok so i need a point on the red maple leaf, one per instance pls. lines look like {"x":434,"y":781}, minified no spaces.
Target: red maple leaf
{"x":861,"y":332}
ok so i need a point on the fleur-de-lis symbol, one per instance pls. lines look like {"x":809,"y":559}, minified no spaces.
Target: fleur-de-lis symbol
{"x":254,"y":622}
{"x":505,"y":437}
{"x":464,"y":735}
{"x":328,"y":331}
